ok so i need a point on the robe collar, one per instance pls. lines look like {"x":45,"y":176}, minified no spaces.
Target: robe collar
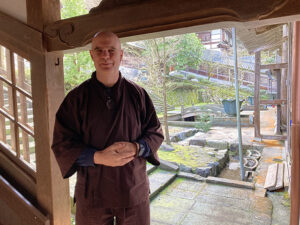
{"x":116,"y":90}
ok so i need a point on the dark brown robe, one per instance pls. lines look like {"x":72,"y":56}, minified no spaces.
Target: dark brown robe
{"x":84,"y":120}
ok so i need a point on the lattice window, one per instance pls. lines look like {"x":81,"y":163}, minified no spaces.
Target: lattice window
{"x":16,"y":115}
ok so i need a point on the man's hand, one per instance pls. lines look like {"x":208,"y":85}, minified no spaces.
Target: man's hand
{"x":117,"y":154}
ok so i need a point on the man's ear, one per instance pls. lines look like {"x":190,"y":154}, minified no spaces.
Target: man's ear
{"x":91,"y":54}
{"x":121,"y":54}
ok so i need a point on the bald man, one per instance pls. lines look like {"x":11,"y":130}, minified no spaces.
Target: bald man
{"x":105,"y":130}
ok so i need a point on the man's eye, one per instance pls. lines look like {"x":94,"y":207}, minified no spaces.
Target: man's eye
{"x":111,"y":51}
{"x":98,"y":51}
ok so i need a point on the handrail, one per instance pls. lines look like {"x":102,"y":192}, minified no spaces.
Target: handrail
{"x":26,"y":211}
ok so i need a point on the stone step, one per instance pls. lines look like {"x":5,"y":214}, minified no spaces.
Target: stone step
{"x":159,"y":180}
{"x":150,"y":168}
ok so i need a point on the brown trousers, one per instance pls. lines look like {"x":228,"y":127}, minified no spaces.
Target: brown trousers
{"x":136,"y":215}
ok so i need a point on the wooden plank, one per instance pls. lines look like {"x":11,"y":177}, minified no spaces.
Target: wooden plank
{"x":22,"y":39}
{"x":27,"y":212}
{"x":256,"y":96}
{"x":273,"y":102}
{"x":270,"y":181}
{"x":18,"y":162}
{"x":274,"y":66}
{"x":287,"y":173}
{"x":274,"y":137}
{"x":15,"y":170}
{"x":151,"y":16}
{"x":279,"y":178}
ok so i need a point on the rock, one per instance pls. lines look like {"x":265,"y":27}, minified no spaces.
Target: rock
{"x":214,"y":168}
{"x":217,"y":144}
{"x":185,"y":168}
{"x":166,"y":148}
{"x":183,"y":135}
{"x":234,"y":147}
{"x":203,"y":171}
{"x":198,"y":141}
{"x":212,"y":154}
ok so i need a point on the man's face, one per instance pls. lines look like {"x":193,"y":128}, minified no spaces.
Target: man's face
{"x":107,"y":54}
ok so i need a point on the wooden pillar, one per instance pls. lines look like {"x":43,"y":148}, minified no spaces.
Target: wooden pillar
{"x":278,"y":116}
{"x":256,"y":96}
{"x":284,"y":74}
{"x":295,"y":178}
{"x":47,"y":93}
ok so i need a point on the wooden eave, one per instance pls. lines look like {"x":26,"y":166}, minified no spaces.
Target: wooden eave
{"x":152,"y":16}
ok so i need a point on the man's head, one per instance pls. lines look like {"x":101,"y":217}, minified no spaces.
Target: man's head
{"x":107,"y":54}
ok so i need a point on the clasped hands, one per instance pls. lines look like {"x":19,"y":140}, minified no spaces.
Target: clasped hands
{"x":117,"y":154}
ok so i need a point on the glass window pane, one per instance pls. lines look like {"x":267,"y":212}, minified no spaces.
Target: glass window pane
{"x":27,"y":148}
{"x":5,"y":69}
{"x":23,"y":73}
{"x":25,"y":113}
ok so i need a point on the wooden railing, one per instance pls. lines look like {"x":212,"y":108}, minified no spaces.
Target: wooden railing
{"x":22,"y":209}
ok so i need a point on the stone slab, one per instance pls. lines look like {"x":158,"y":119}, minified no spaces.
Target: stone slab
{"x":191,"y":176}
{"x":270,"y":181}
{"x":158,"y":180}
{"x":165,"y":165}
{"x":279,"y":179}
{"x":229,"y":182}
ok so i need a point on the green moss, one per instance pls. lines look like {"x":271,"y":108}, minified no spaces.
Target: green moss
{"x":190,"y":156}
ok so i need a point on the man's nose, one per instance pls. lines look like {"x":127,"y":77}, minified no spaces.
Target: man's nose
{"x":105,"y":54}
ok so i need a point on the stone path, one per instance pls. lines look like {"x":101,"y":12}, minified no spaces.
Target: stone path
{"x":188,"y":202}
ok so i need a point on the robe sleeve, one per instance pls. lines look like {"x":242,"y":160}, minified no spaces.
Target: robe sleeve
{"x":67,"y":139}
{"x":152,"y":132}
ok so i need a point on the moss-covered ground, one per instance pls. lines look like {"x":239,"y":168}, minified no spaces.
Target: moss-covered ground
{"x":190,"y":156}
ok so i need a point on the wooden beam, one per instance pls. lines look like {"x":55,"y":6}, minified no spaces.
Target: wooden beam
{"x":24,"y":210}
{"x":153,"y":16}
{"x":274,"y":66}
{"x":273,"y":102}
{"x":295,"y":171}
{"x":273,"y":137}
{"x":256,"y":96}
{"x":19,"y":37}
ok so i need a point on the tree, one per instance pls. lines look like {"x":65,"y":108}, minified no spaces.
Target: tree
{"x":78,"y":65}
{"x":180,"y":52}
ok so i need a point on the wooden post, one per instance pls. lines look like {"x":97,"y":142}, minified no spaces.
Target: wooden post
{"x":295,"y":178}
{"x":256,"y":96}
{"x":47,"y":93}
{"x":278,"y":116}
{"x":284,"y":74}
